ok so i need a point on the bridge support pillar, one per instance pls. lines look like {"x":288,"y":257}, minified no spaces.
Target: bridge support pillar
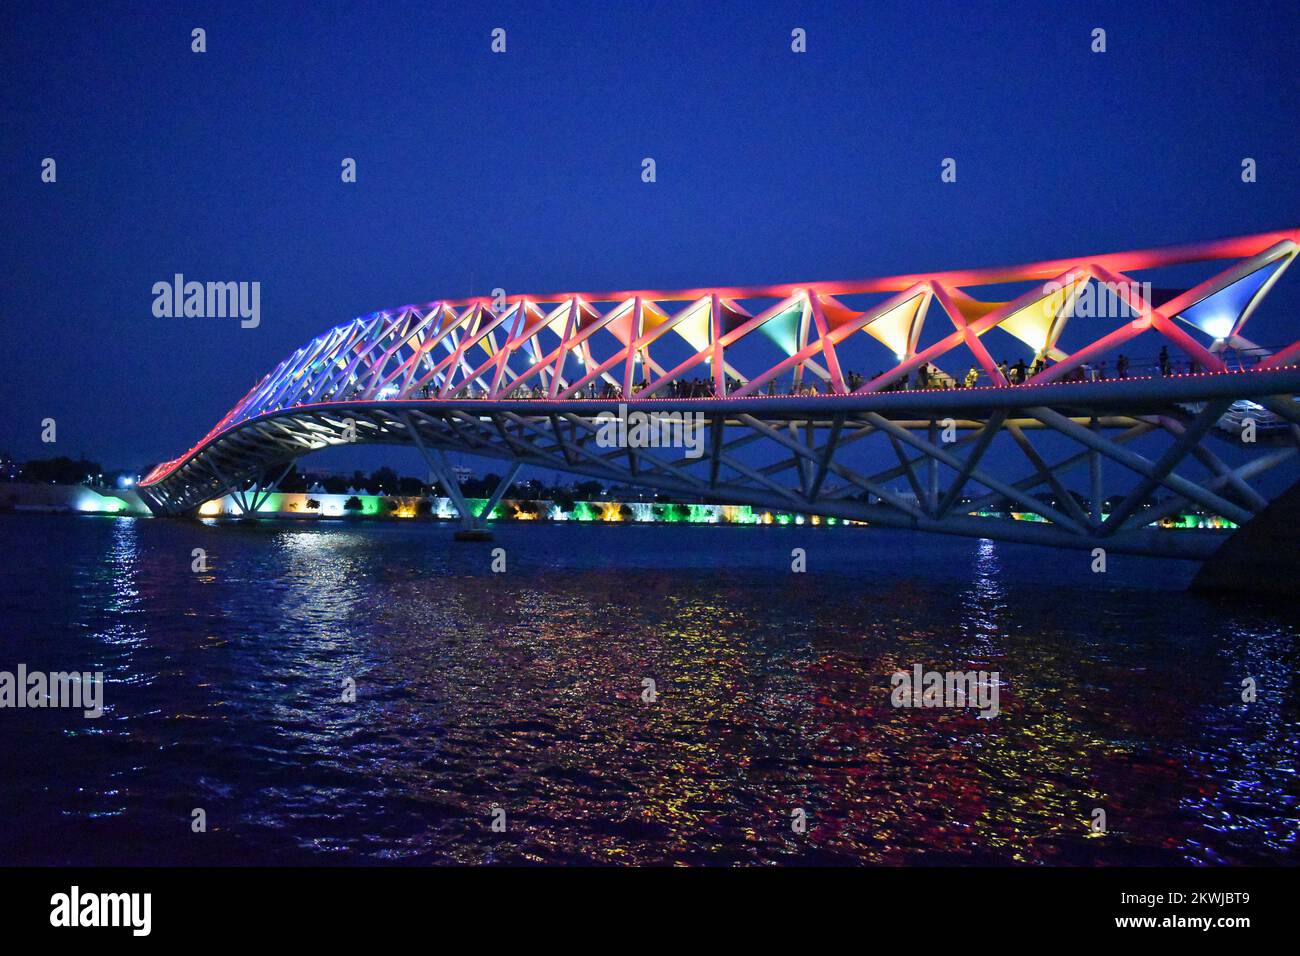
{"x":477,"y":525}
{"x":236,"y":492}
{"x":932,"y":491}
{"x":473,"y":526}
{"x":1095,"y":492}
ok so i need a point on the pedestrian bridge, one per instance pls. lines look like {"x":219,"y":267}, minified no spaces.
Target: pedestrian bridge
{"x":1071,"y":403}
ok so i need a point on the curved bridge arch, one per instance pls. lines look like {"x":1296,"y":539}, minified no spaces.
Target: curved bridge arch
{"x":533,"y":380}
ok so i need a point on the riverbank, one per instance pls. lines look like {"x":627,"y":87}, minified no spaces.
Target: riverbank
{"x":32,"y":498}
{"x":25,"y":497}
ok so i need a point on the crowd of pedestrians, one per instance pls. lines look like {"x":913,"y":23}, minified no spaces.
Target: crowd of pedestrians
{"x":927,"y":377}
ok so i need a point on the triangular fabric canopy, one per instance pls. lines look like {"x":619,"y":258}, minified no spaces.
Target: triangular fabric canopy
{"x":1037,"y":324}
{"x":972,"y":309}
{"x":783,"y":328}
{"x":836,"y":312}
{"x":1219,"y":314}
{"x":620,"y":326}
{"x":484,"y":318}
{"x":898,"y":328}
{"x":557,"y":319}
{"x":695,"y":327}
{"x":733,"y":316}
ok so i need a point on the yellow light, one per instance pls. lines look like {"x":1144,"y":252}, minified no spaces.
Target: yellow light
{"x":894,"y":329}
{"x":1035,"y":324}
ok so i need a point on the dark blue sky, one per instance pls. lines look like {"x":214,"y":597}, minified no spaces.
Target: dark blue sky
{"x":523,"y":170}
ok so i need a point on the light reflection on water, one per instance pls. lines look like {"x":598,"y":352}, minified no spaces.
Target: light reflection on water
{"x":524,"y":690}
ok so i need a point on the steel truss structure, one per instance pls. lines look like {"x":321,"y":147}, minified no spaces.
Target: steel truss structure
{"x":527,"y":378}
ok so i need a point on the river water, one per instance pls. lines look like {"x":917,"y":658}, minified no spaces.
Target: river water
{"x":519,"y":697}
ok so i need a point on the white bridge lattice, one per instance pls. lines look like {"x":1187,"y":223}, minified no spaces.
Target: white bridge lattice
{"x":968,"y":445}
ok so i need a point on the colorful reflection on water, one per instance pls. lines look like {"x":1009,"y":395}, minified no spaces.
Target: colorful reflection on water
{"x":524,"y":690}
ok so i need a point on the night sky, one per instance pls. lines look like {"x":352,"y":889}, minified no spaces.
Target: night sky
{"x":523,"y":170}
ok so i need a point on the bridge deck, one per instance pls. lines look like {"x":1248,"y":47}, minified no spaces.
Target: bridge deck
{"x":519,"y":382}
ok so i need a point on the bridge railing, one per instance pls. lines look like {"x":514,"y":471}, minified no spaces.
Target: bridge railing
{"x":929,"y":378}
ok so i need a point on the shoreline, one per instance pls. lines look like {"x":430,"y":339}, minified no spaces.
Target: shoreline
{"x":27,"y":498}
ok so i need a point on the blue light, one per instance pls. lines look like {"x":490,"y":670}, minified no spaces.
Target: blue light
{"x":1217,"y":314}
